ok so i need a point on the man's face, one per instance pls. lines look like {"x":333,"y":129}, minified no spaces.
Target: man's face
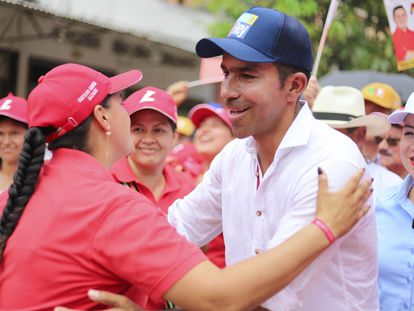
{"x":400,"y":18}
{"x":389,"y":149}
{"x":253,"y":96}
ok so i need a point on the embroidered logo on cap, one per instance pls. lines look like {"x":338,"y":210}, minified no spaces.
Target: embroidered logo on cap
{"x":89,"y":93}
{"x":380,"y":92}
{"x":6,"y":104}
{"x":147,"y":97}
{"x":243,"y":25}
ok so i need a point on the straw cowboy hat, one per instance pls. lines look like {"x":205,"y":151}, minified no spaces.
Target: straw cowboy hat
{"x":344,"y":107}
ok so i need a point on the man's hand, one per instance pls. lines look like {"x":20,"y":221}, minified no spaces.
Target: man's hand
{"x":117,"y":302}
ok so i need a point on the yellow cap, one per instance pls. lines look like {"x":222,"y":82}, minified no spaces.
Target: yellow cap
{"x":185,"y":126}
{"x":382,"y":94}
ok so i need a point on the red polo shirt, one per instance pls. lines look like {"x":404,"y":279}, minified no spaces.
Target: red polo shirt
{"x":177,"y":184}
{"x":403,"y":42}
{"x":82,"y":230}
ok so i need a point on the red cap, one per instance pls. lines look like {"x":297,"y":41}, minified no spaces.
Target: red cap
{"x":14,"y":108}
{"x":152,"y":98}
{"x":202,"y":111}
{"x":68,"y":93}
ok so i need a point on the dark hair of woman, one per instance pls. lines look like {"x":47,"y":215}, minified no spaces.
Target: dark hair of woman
{"x":30,"y":163}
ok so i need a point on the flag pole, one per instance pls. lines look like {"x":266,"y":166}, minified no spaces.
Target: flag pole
{"x":329,"y":18}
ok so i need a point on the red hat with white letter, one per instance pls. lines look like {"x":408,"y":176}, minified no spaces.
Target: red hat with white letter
{"x":14,"y":107}
{"x":154,"y":99}
{"x":68,"y":93}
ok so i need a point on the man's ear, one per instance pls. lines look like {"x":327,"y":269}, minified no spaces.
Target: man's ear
{"x":360,"y":134}
{"x":295,"y":85}
{"x":101,"y":116}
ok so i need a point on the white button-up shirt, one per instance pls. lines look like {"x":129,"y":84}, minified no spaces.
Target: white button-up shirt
{"x":254,"y":219}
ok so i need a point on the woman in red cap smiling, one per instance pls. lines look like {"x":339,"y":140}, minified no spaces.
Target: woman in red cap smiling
{"x":153,"y":115}
{"x":13,"y":125}
{"x":68,"y":226}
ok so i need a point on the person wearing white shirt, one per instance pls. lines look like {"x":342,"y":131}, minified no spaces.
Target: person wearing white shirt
{"x":261,"y":188}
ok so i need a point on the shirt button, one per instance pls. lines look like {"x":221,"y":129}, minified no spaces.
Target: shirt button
{"x":257,"y":251}
{"x":258,"y":213}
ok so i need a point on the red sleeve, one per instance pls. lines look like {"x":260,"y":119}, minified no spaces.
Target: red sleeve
{"x":136,"y":243}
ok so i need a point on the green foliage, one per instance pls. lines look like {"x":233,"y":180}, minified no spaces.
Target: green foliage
{"x":359,"y":37}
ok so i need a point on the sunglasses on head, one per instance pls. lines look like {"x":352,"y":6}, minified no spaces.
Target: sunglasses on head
{"x":390,"y":141}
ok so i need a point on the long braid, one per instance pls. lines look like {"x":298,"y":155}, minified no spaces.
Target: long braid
{"x":24,"y":182}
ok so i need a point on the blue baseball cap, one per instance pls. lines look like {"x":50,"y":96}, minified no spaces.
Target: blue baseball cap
{"x":263,"y":35}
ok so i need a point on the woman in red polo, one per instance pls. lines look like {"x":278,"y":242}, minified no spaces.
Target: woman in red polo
{"x":13,"y":125}
{"x":153,"y":115}
{"x":67,"y":226}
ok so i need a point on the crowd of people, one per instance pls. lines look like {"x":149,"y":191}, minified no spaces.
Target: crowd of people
{"x":284,"y":196}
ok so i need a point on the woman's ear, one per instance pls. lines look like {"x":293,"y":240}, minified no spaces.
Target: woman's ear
{"x":175,"y":138}
{"x":296,"y":85}
{"x":101,"y":116}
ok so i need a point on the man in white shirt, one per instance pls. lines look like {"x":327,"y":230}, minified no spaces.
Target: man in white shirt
{"x":262,"y":187}
{"x":342,"y":108}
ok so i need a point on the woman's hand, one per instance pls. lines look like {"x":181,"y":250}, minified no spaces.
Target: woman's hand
{"x":117,"y":302}
{"x":341,"y":210}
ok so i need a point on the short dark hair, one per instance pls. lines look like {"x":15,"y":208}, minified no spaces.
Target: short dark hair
{"x":285,"y":71}
{"x":396,"y":8}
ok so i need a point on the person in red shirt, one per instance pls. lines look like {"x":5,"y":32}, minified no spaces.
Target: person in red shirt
{"x":68,"y":226}
{"x":153,"y":115}
{"x":13,"y":126}
{"x":402,"y":37}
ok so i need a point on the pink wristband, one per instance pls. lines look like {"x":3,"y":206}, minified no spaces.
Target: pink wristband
{"x":325,"y":229}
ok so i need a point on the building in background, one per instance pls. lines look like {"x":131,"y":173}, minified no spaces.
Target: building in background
{"x":156,"y":36}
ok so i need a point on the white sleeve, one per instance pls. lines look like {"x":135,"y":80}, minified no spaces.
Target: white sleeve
{"x":298,"y":215}
{"x":198,"y":215}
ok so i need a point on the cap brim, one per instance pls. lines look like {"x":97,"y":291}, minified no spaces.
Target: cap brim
{"x":376,"y":125}
{"x":13,"y":117}
{"x":124,"y":80}
{"x":202,"y":112}
{"x":210,"y":47}
{"x":397,"y":117}
{"x":131,"y":112}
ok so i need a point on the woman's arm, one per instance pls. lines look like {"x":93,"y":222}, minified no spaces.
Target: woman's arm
{"x":250,"y":282}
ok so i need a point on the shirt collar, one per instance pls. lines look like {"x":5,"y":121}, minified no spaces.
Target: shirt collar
{"x":402,"y":195}
{"x":75,"y":160}
{"x":122,"y":171}
{"x":298,"y":133}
